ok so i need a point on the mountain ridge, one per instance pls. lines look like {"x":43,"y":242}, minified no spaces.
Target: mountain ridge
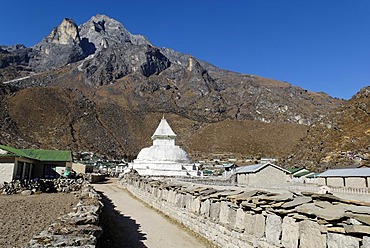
{"x":109,"y":72}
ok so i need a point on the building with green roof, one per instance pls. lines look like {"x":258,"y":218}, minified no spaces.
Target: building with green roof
{"x":32,"y":163}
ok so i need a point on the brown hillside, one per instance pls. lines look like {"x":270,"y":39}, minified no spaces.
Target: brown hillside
{"x":52,"y":117}
{"x":246,"y":138}
{"x":344,"y":141}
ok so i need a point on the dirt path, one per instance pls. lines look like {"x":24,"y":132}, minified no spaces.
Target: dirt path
{"x":130,"y":223}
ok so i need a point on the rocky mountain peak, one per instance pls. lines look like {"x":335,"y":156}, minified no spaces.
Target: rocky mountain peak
{"x":61,"y":47}
{"x":363,"y":93}
{"x":66,"y":33}
{"x":103,"y":31}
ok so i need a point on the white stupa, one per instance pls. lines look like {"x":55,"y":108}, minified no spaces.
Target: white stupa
{"x":163,"y":158}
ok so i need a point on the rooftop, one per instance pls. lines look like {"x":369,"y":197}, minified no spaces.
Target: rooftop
{"x":294,"y":170}
{"x":40,"y":155}
{"x":348,"y":172}
{"x":256,"y":167}
{"x":303,"y":173}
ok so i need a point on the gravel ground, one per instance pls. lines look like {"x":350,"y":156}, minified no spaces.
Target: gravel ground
{"x":22,"y":217}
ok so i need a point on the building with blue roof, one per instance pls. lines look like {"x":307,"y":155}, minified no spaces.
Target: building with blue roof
{"x":347,"y":177}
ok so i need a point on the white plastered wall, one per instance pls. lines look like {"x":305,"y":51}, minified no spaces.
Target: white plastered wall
{"x":335,"y":181}
{"x":6,"y":172}
{"x":355,"y":182}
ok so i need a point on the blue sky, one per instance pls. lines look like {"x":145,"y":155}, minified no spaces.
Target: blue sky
{"x":319,"y":45}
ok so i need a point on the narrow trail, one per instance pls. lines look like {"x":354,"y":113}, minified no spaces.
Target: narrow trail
{"x":130,"y":223}
{"x":15,"y":80}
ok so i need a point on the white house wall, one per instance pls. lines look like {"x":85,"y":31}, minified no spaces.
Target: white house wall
{"x":350,"y":182}
{"x":243,"y":179}
{"x":320,"y":181}
{"x":335,"y":181}
{"x":6,"y":172}
{"x":82,"y":168}
{"x":355,"y":182}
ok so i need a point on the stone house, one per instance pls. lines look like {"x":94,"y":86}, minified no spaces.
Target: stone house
{"x":349,"y":177}
{"x":29,"y":163}
{"x":262,"y":174}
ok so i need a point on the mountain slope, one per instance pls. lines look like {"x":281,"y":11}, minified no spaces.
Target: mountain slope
{"x":341,"y":139}
{"x":98,"y":87}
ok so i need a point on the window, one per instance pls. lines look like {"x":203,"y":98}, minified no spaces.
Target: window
{"x":27,"y":171}
{"x":49,"y":171}
{"x":19,"y":174}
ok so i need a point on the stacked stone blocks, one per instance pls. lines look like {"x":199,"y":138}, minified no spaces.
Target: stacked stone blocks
{"x":241,"y":218}
{"x":79,"y":228}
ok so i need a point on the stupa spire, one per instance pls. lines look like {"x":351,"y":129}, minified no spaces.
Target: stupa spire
{"x":164,"y":131}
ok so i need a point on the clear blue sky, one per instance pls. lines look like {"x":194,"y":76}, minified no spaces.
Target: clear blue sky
{"x":319,"y":45}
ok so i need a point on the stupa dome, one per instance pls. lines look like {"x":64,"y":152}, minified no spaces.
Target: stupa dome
{"x":163,"y":153}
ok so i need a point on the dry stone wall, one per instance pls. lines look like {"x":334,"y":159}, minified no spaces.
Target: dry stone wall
{"x":257,"y":218}
{"x":32,"y":186}
{"x":94,"y":177}
{"x":79,"y":228}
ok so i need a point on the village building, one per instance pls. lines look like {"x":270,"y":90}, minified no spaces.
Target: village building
{"x":302,"y":175}
{"x":81,"y":168}
{"x":262,"y":174}
{"x":349,"y":177}
{"x":29,"y":163}
{"x":163,"y":158}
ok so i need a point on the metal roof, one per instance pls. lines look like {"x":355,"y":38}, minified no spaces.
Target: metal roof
{"x":14,"y":151}
{"x":49,"y":155}
{"x":294,"y":170}
{"x":41,"y":155}
{"x":314,"y":175}
{"x":303,"y":173}
{"x":256,"y":167}
{"x":348,"y":172}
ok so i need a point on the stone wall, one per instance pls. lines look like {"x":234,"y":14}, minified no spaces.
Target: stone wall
{"x":94,"y":177}
{"x":29,"y":187}
{"x":268,"y":175}
{"x":76,"y":229}
{"x":242,"y":218}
